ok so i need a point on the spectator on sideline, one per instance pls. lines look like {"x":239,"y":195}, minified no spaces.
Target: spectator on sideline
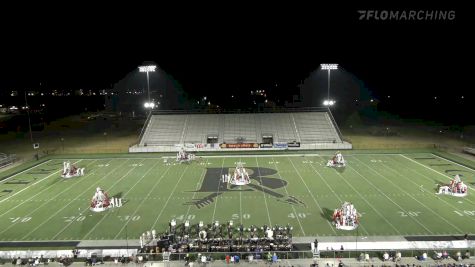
{"x":445,"y":255}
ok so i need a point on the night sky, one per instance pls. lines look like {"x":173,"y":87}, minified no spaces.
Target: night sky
{"x":217,"y":50}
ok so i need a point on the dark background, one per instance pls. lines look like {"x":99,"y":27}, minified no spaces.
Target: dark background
{"x":219,"y":50}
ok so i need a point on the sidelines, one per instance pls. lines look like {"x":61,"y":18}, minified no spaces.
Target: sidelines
{"x":458,"y":164}
{"x":400,"y":159}
{"x":23,"y":202}
{"x":461,"y":165}
{"x":422,"y":204}
{"x":44,"y":203}
{"x":428,"y":178}
{"x":34,"y":183}
{"x":63,"y":209}
{"x":436,"y":170}
{"x":32,"y":167}
{"x":237,"y":156}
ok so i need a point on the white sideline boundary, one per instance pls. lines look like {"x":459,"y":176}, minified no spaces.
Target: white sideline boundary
{"x":32,"y":167}
{"x":458,"y":164}
{"x":445,"y":175}
{"x":42,"y":179}
{"x":243,"y":155}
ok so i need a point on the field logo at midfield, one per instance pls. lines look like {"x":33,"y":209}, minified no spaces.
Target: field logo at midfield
{"x":260,"y":182}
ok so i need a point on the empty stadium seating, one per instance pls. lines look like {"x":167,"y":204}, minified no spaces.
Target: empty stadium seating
{"x":303,"y":127}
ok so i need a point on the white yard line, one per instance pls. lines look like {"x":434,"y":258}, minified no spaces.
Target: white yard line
{"x":138,"y":181}
{"x":65,"y":206}
{"x":422,"y":204}
{"x":443,"y":174}
{"x":240,"y":201}
{"x":369,"y":204}
{"x":29,"y":169}
{"x":458,"y":164}
{"x":309,"y":191}
{"x":334,"y":193}
{"x":166,"y":203}
{"x":428,"y":178}
{"x":447,"y":176}
{"x":202,"y":176}
{"x":143,"y":201}
{"x":377,"y":188}
{"x":25,"y":201}
{"x":287,"y":192}
{"x":35,"y":183}
{"x":263,"y":193}
{"x":219,"y":185}
{"x":43,"y":204}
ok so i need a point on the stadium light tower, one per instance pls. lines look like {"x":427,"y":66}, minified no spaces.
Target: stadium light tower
{"x":329,"y":67}
{"x":147,"y":69}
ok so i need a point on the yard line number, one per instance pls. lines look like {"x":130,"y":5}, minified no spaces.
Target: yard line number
{"x":465,"y":213}
{"x":236,"y":216}
{"x":80,"y":218}
{"x":20,"y":219}
{"x":183,"y":217}
{"x":136,"y":165}
{"x":295,"y":215}
{"x":409,"y":213}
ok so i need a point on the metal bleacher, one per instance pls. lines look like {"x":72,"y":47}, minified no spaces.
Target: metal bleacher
{"x":305,"y":127}
{"x":278,"y":124}
{"x":315,"y":127}
{"x":164,"y":130}
{"x":240,"y":127}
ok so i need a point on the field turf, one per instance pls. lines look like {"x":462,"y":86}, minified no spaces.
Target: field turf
{"x":394,"y":193}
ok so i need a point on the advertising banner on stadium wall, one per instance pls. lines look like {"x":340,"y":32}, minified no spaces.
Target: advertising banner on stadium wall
{"x":294,"y":144}
{"x":213,"y":146}
{"x":262,"y":145}
{"x":199,"y":146}
{"x":189,"y":145}
{"x":280,"y":145}
{"x":243,"y":145}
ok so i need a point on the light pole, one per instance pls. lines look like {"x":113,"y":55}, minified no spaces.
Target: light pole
{"x":105,"y":138}
{"x":29,"y":120}
{"x":329,"y":67}
{"x":147,"y":69}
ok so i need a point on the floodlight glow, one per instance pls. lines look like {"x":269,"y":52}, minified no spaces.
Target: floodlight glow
{"x":329,"y":66}
{"x":148,"y":68}
{"x":329,"y":102}
{"x":150,"y":105}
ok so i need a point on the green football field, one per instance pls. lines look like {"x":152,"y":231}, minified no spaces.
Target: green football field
{"x":394,"y":193}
